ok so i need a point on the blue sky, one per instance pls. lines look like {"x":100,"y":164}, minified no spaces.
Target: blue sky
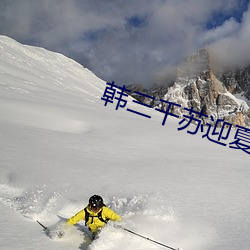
{"x":218,"y":17}
{"x":132,"y":41}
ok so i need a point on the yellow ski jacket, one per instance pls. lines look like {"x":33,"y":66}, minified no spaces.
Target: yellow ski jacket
{"x":94,"y":223}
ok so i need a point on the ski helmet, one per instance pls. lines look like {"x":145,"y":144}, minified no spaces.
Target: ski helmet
{"x":96,"y":202}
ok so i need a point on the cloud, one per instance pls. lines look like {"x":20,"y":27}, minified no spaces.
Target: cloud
{"x":228,"y":28}
{"x":125,"y":41}
{"x":232,"y":50}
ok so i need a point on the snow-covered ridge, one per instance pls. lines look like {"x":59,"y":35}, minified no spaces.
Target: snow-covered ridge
{"x":38,"y":76}
{"x":33,"y":74}
{"x":30,"y":66}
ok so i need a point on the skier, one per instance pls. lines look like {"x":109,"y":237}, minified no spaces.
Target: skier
{"x":95,"y":214}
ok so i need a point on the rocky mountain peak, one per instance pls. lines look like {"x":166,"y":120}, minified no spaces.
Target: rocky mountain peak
{"x":196,"y":85}
{"x":194,"y":65}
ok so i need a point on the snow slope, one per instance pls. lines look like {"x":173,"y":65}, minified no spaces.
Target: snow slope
{"x":60,"y":144}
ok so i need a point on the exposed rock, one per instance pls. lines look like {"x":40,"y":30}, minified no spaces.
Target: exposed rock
{"x":237,"y":81}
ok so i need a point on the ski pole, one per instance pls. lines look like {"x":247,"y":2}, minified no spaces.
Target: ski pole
{"x":45,"y":228}
{"x":146,"y":238}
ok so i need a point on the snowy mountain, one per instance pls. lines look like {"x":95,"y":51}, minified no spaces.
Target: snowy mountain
{"x":60,"y":144}
{"x":199,"y":85}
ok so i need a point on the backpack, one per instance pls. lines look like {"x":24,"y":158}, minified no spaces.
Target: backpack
{"x":88,"y":216}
